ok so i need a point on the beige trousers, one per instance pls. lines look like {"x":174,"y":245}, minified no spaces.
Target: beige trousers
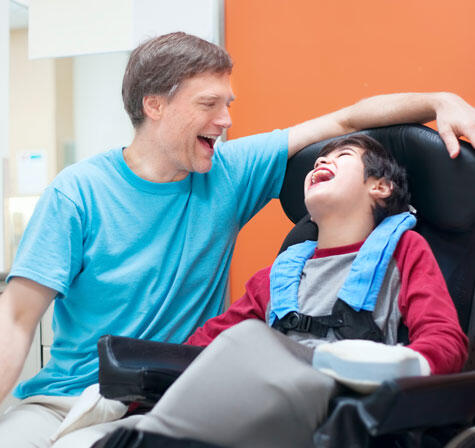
{"x":31,"y":423}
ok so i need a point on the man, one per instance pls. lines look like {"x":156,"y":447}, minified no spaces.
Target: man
{"x":138,"y":241}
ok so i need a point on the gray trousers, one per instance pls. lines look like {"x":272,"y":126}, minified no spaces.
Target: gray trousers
{"x":252,"y":387}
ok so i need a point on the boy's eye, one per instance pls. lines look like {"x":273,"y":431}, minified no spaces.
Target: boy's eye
{"x":344,"y":153}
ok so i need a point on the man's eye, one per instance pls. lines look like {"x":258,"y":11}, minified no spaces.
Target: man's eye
{"x":208,"y":104}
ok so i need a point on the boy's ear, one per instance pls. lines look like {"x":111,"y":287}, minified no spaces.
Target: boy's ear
{"x":381,"y":189}
{"x":153,"y":106}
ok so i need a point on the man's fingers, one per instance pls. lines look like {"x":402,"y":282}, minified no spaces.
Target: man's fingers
{"x":470,"y":134}
{"x":451,"y":142}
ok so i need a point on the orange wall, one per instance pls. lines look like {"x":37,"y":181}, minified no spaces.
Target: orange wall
{"x":296,"y":59}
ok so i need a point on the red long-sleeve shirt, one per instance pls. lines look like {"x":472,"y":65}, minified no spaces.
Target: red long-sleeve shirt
{"x":424,"y":303}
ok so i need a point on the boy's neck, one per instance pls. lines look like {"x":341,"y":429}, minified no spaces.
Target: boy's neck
{"x":334,"y":231}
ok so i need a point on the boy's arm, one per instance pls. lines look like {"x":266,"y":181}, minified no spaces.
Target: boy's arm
{"x":455,"y":118}
{"x":252,"y":305}
{"x":427,"y":308}
{"x":21,"y":306}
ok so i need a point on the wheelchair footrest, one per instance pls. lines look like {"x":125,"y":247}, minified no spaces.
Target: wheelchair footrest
{"x":132,"y":438}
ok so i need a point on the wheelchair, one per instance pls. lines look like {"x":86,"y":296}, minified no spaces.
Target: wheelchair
{"x":423,"y":412}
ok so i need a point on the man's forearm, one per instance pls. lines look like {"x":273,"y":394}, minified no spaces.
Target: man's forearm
{"x":14,"y":347}
{"x":454,"y":117}
{"x":21,"y":306}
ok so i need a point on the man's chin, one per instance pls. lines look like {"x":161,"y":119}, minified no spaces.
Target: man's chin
{"x":203,"y":167}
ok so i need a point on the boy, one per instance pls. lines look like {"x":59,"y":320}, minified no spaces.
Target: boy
{"x":355,"y":185}
{"x":254,"y":387}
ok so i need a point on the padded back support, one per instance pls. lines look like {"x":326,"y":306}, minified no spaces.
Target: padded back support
{"x":442,"y":191}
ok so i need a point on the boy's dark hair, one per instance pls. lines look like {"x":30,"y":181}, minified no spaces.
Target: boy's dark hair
{"x":379,"y":163}
{"x":160,"y":65}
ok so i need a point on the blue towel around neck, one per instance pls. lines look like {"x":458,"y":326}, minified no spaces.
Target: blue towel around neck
{"x":361,"y":287}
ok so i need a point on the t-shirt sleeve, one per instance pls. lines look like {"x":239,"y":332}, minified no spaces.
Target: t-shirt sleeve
{"x":427,"y":308}
{"x":256,"y":166}
{"x":50,"y":251}
{"x":252,"y":305}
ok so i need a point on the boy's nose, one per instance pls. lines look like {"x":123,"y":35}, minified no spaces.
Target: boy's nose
{"x":321,"y":161}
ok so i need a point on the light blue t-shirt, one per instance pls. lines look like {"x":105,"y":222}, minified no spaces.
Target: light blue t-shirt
{"x":136,"y":258}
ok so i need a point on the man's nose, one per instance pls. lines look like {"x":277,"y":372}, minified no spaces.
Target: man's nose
{"x":224,"y":118}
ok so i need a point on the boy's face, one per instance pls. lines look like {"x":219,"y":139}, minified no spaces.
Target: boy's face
{"x":336,"y":185}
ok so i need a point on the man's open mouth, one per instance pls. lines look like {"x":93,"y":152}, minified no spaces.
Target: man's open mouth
{"x":207,"y":140}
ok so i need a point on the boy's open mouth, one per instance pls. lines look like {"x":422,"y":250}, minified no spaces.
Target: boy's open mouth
{"x":321,"y":175}
{"x":207,"y":140}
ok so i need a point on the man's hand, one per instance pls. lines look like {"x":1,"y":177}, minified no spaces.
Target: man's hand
{"x":455,"y":118}
{"x":21,"y":306}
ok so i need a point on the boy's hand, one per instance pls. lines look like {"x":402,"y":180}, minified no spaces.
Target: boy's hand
{"x":363,"y":365}
{"x":455,"y":118}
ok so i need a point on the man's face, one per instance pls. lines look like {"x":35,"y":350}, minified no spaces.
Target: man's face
{"x":192,"y":120}
{"x":337,"y":185}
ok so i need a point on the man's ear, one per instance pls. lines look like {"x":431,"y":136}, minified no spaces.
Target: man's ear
{"x":381,"y":189}
{"x":153,"y":106}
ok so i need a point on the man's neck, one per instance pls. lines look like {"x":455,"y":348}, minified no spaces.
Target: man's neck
{"x":336,"y":231}
{"x":146,"y":159}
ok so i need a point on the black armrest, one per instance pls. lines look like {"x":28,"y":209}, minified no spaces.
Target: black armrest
{"x":134,"y":370}
{"x":420,"y":402}
{"x":400,"y":405}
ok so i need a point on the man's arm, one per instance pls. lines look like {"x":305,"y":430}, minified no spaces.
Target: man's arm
{"x":21,"y":306}
{"x":455,"y":118}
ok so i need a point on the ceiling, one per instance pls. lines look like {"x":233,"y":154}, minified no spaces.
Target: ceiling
{"x":18,"y":14}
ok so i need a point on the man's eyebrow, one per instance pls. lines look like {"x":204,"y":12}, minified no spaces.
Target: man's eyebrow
{"x":214,"y":97}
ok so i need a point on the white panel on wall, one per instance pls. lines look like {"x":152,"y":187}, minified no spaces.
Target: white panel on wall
{"x":100,"y":121}
{"x":203,"y":18}
{"x":69,"y":27}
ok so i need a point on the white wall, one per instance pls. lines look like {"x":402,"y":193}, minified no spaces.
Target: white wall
{"x":100,"y":122}
{"x":4,"y":109}
{"x":32,"y":107}
{"x":4,"y":74}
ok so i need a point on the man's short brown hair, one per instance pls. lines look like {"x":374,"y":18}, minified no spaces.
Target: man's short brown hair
{"x":160,"y":65}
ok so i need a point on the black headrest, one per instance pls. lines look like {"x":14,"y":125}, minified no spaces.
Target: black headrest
{"x":442,"y":190}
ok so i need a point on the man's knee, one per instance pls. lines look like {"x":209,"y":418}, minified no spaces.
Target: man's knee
{"x":28,"y":425}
